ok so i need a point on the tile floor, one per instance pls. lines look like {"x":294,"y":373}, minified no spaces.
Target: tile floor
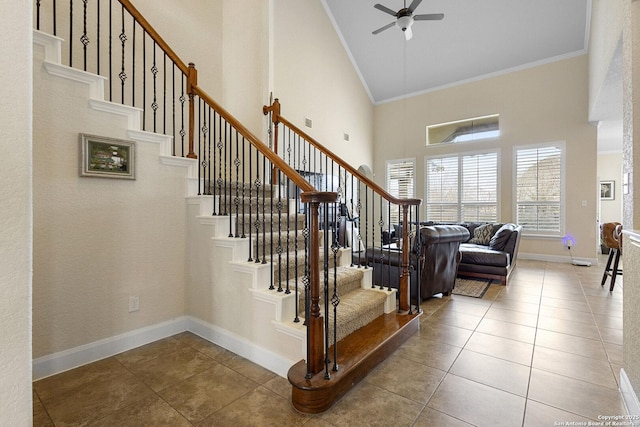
{"x":544,"y":350}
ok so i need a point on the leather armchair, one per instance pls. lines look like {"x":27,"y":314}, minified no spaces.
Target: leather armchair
{"x":435,"y":256}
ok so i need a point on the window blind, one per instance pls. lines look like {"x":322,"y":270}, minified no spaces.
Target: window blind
{"x":400,"y":183}
{"x":462,"y":188}
{"x":539,"y":189}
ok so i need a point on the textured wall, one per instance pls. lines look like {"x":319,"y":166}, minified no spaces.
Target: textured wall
{"x":98,"y":241}
{"x":15,"y":214}
{"x":631,"y":66}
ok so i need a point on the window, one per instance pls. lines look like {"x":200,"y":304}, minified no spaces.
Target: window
{"x":462,"y":187}
{"x":475,"y":129}
{"x":400,"y":176}
{"x":538,"y":186}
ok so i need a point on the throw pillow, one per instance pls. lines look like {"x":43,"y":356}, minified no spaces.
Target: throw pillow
{"x":482,"y":234}
{"x":500,"y":239}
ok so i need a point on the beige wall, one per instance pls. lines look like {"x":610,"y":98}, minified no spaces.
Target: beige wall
{"x":193,"y":29}
{"x":314,"y":78}
{"x":98,"y":241}
{"x":547,"y":103}
{"x":16,"y":214}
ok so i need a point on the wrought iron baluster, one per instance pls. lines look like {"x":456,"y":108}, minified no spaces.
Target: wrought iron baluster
{"x":164,"y":95}
{"x":37,"y":14}
{"x":208,"y":177}
{"x":173,"y":109}
{"x":55,"y":20}
{"x":244,"y":147}
{"x":98,"y":39}
{"x":123,"y":40}
{"x":325,"y":239}
{"x":110,"y":50}
{"x":154,"y":103}
{"x":201,"y":163}
{"x":335,"y":298}
{"x":225,"y":171}
{"x":236,"y":200}
{"x":133,"y":71}
{"x":279,"y":246}
{"x":264,"y":214}
{"x":183,"y":99}
{"x":71,"y":32}
{"x":84,"y":39}
{"x":250,"y":259}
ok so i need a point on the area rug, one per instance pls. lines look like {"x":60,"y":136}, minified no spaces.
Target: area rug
{"x":471,"y":287}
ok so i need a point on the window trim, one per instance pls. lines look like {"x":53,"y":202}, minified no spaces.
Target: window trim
{"x":563,"y":183}
{"x":459,"y":156}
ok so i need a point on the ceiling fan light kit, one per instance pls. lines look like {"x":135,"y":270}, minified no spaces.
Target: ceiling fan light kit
{"x":405,"y":18}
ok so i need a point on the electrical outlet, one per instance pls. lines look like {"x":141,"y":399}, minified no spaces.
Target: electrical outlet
{"x":134,"y":303}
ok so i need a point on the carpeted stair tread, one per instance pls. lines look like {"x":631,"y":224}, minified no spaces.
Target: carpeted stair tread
{"x":356,"y":309}
{"x":349,"y":279}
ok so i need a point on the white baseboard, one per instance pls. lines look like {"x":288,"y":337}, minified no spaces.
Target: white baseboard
{"x":552,"y":258}
{"x":240,"y":346}
{"x":630,"y":398}
{"x":62,"y":361}
{"x":74,"y":357}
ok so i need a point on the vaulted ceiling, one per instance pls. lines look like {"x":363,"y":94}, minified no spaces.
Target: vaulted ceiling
{"x":476,"y":38}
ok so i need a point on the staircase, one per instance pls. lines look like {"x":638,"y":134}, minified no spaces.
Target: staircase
{"x":276,"y":278}
{"x":267,"y":278}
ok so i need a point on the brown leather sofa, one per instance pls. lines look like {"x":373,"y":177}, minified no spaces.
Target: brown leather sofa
{"x":435,"y":255}
{"x":494,"y":259}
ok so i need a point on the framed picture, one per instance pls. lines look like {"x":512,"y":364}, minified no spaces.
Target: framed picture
{"x":106,"y":157}
{"x":607,"y":190}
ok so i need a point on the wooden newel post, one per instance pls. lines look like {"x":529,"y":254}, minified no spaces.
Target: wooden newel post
{"x":192,"y":81}
{"x":405,"y":292}
{"x":315,"y":337}
{"x":274,"y":109}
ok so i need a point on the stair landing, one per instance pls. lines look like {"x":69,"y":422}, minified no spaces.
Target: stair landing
{"x":359,"y":353}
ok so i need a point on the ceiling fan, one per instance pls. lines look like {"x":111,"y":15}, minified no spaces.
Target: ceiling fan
{"x":405,"y":18}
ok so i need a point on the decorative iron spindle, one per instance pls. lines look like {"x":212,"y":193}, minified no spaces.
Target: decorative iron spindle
{"x":55,"y":23}
{"x":325,"y":296}
{"x":110,"y":51}
{"x":154,"y":103}
{"x":123,"y":40}
{"x":84,"y":39}
{"x":236,"y":200}
{"x":71,"y":33}
{"x":37,"y":14}
{"x":335,"y":298}
{"x":279,"y":246}
{"x":98,"y":39}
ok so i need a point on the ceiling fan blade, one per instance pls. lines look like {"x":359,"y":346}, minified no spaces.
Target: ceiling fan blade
{"x":429,"y":17}
{"x":385,"y":9}
{"x":414,"y":5}
{"x":408,"y":34}
{"x":386,"y":27}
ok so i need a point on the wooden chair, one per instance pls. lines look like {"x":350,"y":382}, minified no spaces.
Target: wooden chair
{"x":612,"y":238}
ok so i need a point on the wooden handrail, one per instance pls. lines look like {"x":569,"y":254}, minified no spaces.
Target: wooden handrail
{"x":276,"y":160}
{"x":277,"y":118}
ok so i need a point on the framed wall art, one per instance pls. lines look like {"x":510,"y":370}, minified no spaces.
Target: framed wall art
{"x":607,"y":190}
{"x":104,"y":157}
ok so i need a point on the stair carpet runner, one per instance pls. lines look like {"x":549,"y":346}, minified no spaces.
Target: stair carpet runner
{"x":357,"y":305}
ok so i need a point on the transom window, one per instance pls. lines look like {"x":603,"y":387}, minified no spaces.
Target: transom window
{"x":462,"y":187}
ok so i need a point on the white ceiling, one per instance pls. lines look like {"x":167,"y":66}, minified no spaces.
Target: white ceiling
{"x":476,"y":38}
